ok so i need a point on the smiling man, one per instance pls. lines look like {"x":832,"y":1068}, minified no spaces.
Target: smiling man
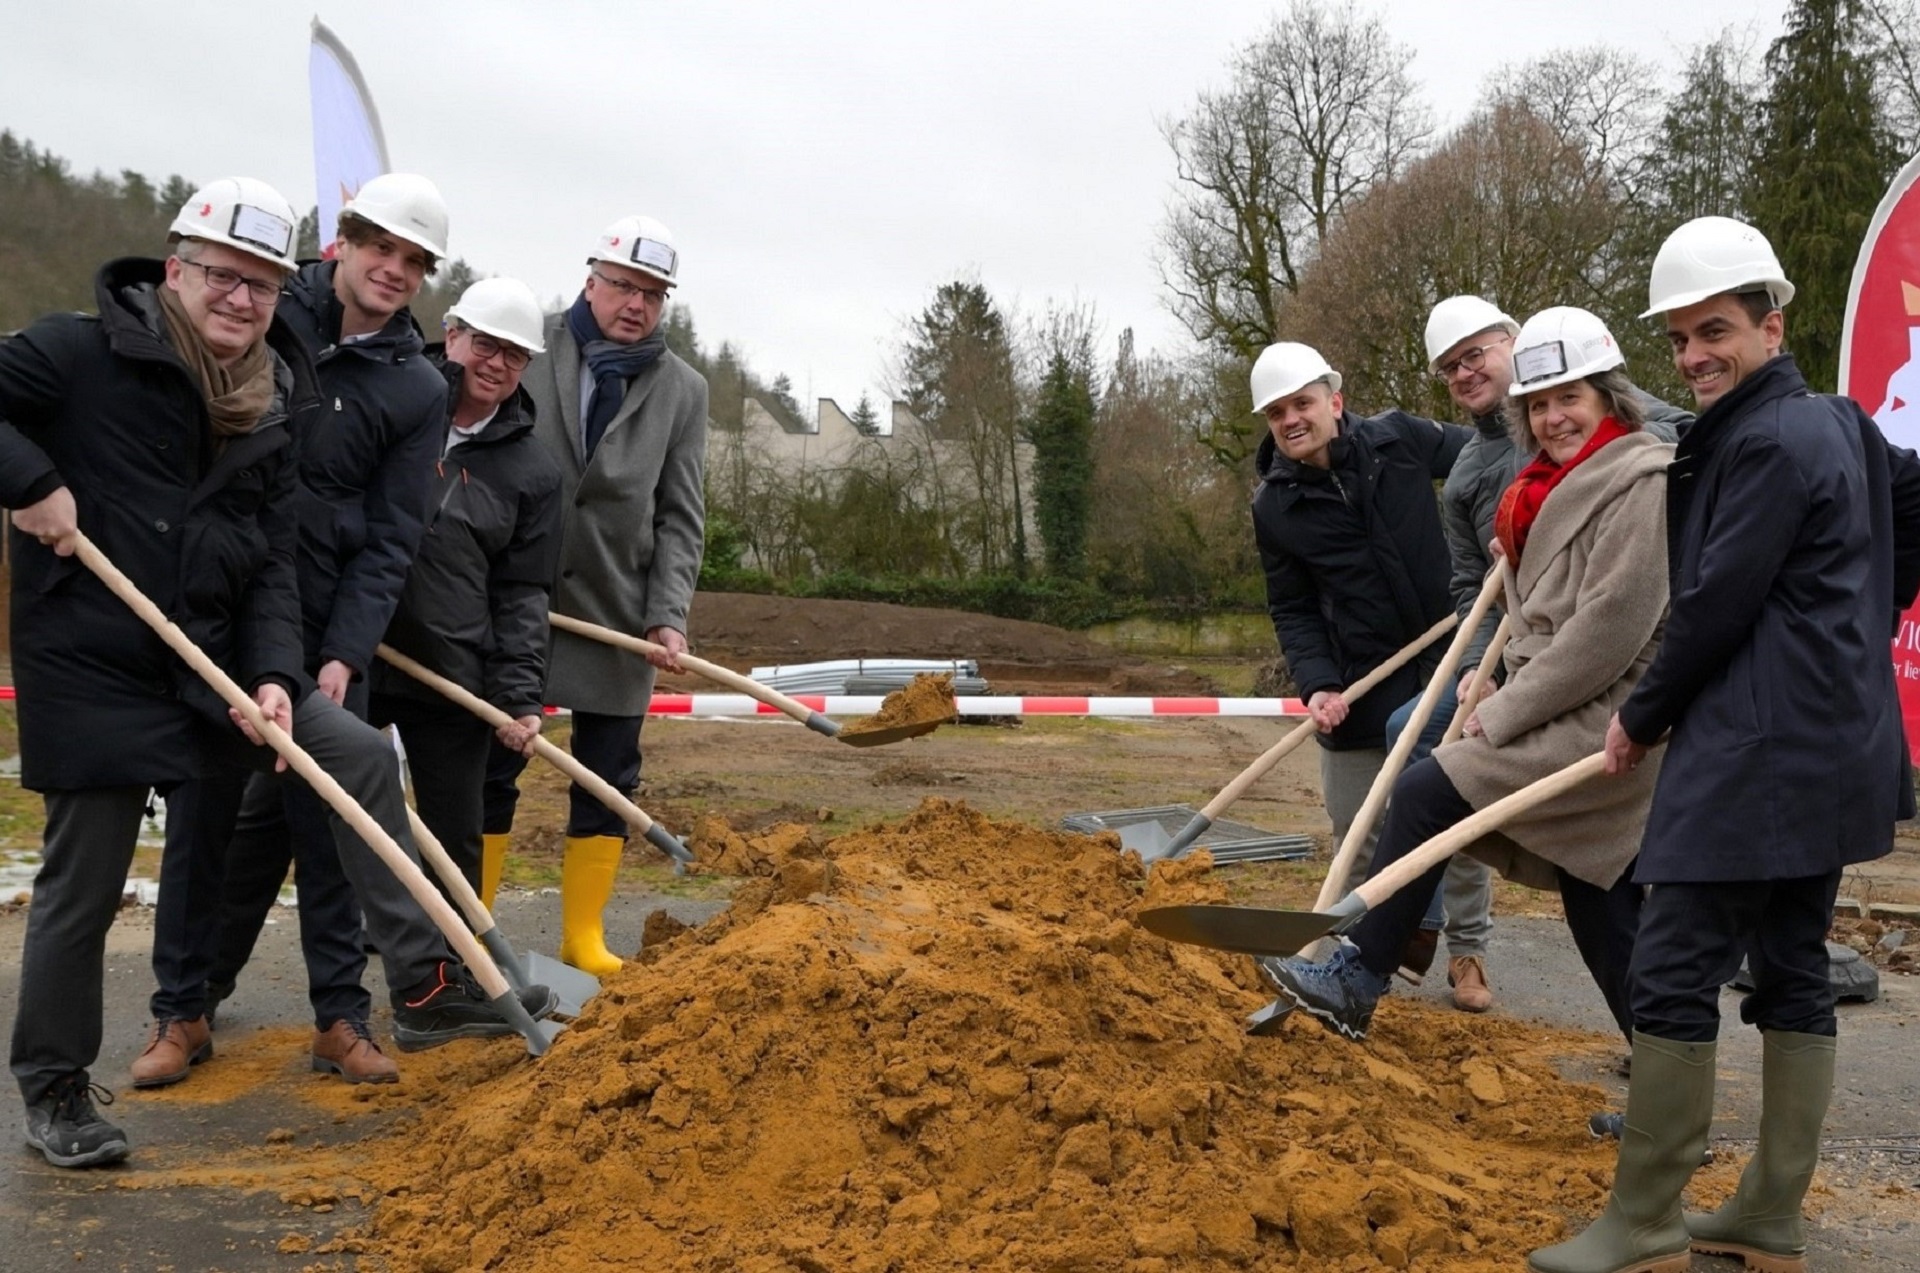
{"x":626,"y":422}
{"x":1793,"y":544}
{"x":1356,"y":563}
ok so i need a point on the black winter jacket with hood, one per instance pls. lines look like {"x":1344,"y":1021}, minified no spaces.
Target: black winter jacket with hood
{"x":475,"y":604}
{"x":104,"y":406}
{"x":365,"y":469}
{"x":1355,"y":560}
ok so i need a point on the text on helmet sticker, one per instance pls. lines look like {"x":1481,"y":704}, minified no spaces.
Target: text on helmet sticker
{"x":654,"y":255}
{"x":1537,"y":362}
{"x":262,"y":228}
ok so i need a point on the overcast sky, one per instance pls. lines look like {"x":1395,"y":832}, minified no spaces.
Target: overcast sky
{"x":823,"y":166}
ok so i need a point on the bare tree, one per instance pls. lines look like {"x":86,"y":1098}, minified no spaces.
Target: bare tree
{"x":1896,"y":27}
{"x":1319,"y":109}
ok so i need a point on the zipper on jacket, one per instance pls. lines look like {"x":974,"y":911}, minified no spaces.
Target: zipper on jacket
{"x":1340,"y":487}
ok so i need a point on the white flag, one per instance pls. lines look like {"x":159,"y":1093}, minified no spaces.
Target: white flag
{"x":348,"y":146}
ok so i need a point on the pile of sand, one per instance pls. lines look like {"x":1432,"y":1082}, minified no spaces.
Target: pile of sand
{"x":925,"y":700}
{"x":945,"y":1045}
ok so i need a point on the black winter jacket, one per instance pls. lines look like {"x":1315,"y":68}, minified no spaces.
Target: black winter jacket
{"x":365,"y":468}
{"x":475,"y":604}
{"x":1355,"y":560}
{"x":1793,"y":533}
{"x":104,"y":406}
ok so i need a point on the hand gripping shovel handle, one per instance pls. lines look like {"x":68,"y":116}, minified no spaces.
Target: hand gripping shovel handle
{"x":636,"y":817}
{"x":1481,"y":675}
{"x":463,"y":942}
{"x":711,"y":671}
{"x":1198,"y":824}
{"x":1336,"y":882}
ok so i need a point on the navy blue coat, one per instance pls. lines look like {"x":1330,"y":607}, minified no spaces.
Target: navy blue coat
{"x":1793,"y":534}
{"x":366,"y":468}
{"x":104,"y":406}
{"x":1355,"y":560}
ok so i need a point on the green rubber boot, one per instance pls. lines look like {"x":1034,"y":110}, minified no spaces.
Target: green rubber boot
{"x":1761,"y":1223}
{"x":1669,"y":1109}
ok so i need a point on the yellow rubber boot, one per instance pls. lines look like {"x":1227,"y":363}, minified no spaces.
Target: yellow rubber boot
{"x":586,"y":882}
{"x":493,"y":860}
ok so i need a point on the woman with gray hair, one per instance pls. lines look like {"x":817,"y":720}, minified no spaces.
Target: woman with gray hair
{"x":1581,"y":534}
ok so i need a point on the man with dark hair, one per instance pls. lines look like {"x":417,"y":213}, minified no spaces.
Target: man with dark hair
{"x":164,"y":428}
{"x":1794,"y":544}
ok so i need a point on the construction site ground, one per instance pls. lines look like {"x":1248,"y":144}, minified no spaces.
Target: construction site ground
{"x":177,"y":1203}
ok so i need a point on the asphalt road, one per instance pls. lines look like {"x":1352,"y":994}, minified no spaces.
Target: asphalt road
{"x":60,"y":1220}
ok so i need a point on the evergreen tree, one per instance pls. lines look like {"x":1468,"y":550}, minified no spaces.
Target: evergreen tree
{"x":1061,"y":431}
{"x":1823,"y":161}
{"x":865,"y":418}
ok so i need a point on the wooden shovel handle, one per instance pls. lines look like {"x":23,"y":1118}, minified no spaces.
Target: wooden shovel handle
{"x":1481,"y":675}
{"x":1261,"y":767}
{"x":698,"y":666}
{"x":434,"y":854}
{"x":323,"y":784}
{"x":1362,"y":826}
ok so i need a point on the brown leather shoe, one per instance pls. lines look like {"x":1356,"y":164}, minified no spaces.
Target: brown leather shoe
{"x":1467,"y":974}
{"x":173,"y":1048}
{"x":1417,"y":958}
{"x":347,"y":1048}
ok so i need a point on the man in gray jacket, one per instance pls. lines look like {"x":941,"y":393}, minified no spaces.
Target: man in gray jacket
{"x":626,"y":420}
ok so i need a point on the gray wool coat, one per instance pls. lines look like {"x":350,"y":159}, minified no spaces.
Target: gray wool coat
{"x":635,"y":518}
{"x":1591,"y":592}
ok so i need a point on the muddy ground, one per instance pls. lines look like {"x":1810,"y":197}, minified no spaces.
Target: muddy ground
{"x":172,"y":1208}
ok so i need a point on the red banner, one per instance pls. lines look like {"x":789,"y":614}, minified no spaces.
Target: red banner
{"x":1880,"y":368}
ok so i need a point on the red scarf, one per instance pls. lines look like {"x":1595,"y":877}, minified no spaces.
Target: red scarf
{"x":1520,"y":505}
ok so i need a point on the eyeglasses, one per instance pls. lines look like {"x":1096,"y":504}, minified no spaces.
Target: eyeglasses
{"x":485,"y":347}
{"x":628,"y":291}
{"x":223,"y":280}
{"x":1472,"y":359}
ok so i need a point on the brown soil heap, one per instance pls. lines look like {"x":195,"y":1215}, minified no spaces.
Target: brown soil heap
{"x":945,"y":1045}
{"x":925,"y":700}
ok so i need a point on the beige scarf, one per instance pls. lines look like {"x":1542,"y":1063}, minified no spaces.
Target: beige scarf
{"x":237,"y":396}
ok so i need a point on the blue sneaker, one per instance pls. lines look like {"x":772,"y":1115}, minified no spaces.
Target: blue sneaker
{"x":1341,"y":993}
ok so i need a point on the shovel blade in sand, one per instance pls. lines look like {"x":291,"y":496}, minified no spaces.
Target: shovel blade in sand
{"x":1239,"y":928}
{"x":887,"y":733}
{"x":1149,"y":839}
{"x":572,"y":985}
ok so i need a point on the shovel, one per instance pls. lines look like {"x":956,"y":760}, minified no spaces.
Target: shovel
{"x":636,"y":817}
{"x":539,"y":1034}
{"x":713,"y":672}
{"x":1263,"y":932}
{"x":1197,"y":826}
{"x":572,"y":986}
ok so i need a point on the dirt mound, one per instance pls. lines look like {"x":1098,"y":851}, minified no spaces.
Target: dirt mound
{"x":793,"y":630}
{"x":944,"y":1044}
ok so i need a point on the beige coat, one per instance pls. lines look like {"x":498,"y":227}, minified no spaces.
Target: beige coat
{"x":1592,"y":600}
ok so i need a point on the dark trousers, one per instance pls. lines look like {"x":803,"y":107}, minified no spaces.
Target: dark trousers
{"x":1424,"y":804}
{"x":1693,"y":935}
{"x":607,"y":745}
{"x":446,"y":749}
{"x":228,"y":855}
{"x":85,"y":852}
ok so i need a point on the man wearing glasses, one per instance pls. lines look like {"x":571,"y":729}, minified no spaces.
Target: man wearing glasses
{"x":475,"y":605}
{"x":626,"y":422}
{"x":364,"y":466}
{"x":165,"y":429}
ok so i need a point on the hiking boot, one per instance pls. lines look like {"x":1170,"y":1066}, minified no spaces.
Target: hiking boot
{"x":218,"y":992}
{"x":1467,"y":974}
{"x":451,"y":1005}
{"x":1340,"y":993}
{"x":65,"y":1127}
{"x":347,"y":1048}
{"x":173,"y":1048}
{"x":1417,"y":958}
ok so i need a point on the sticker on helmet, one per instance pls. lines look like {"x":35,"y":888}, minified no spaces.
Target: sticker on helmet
{"x":654,"y":255}
{"x":262,"y":229}
{"x":1539,"y":361}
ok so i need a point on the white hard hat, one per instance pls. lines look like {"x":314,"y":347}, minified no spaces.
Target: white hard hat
{"x":242,"y":213}
{"x":1711,"y":255}
{"x":1287,"y":368}
{"x":1458,"y":317}
{"x":1560,"y":345}
{"x":639,"y":243}
{"x":504,"y":308}
{"x":404,"y":204}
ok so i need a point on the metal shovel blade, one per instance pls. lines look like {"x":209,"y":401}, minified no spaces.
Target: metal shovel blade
{"x":1149,"y":839}
{"x":889,"y":734}
{"x":1239,"y":928}
{"x":573,"y":986}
